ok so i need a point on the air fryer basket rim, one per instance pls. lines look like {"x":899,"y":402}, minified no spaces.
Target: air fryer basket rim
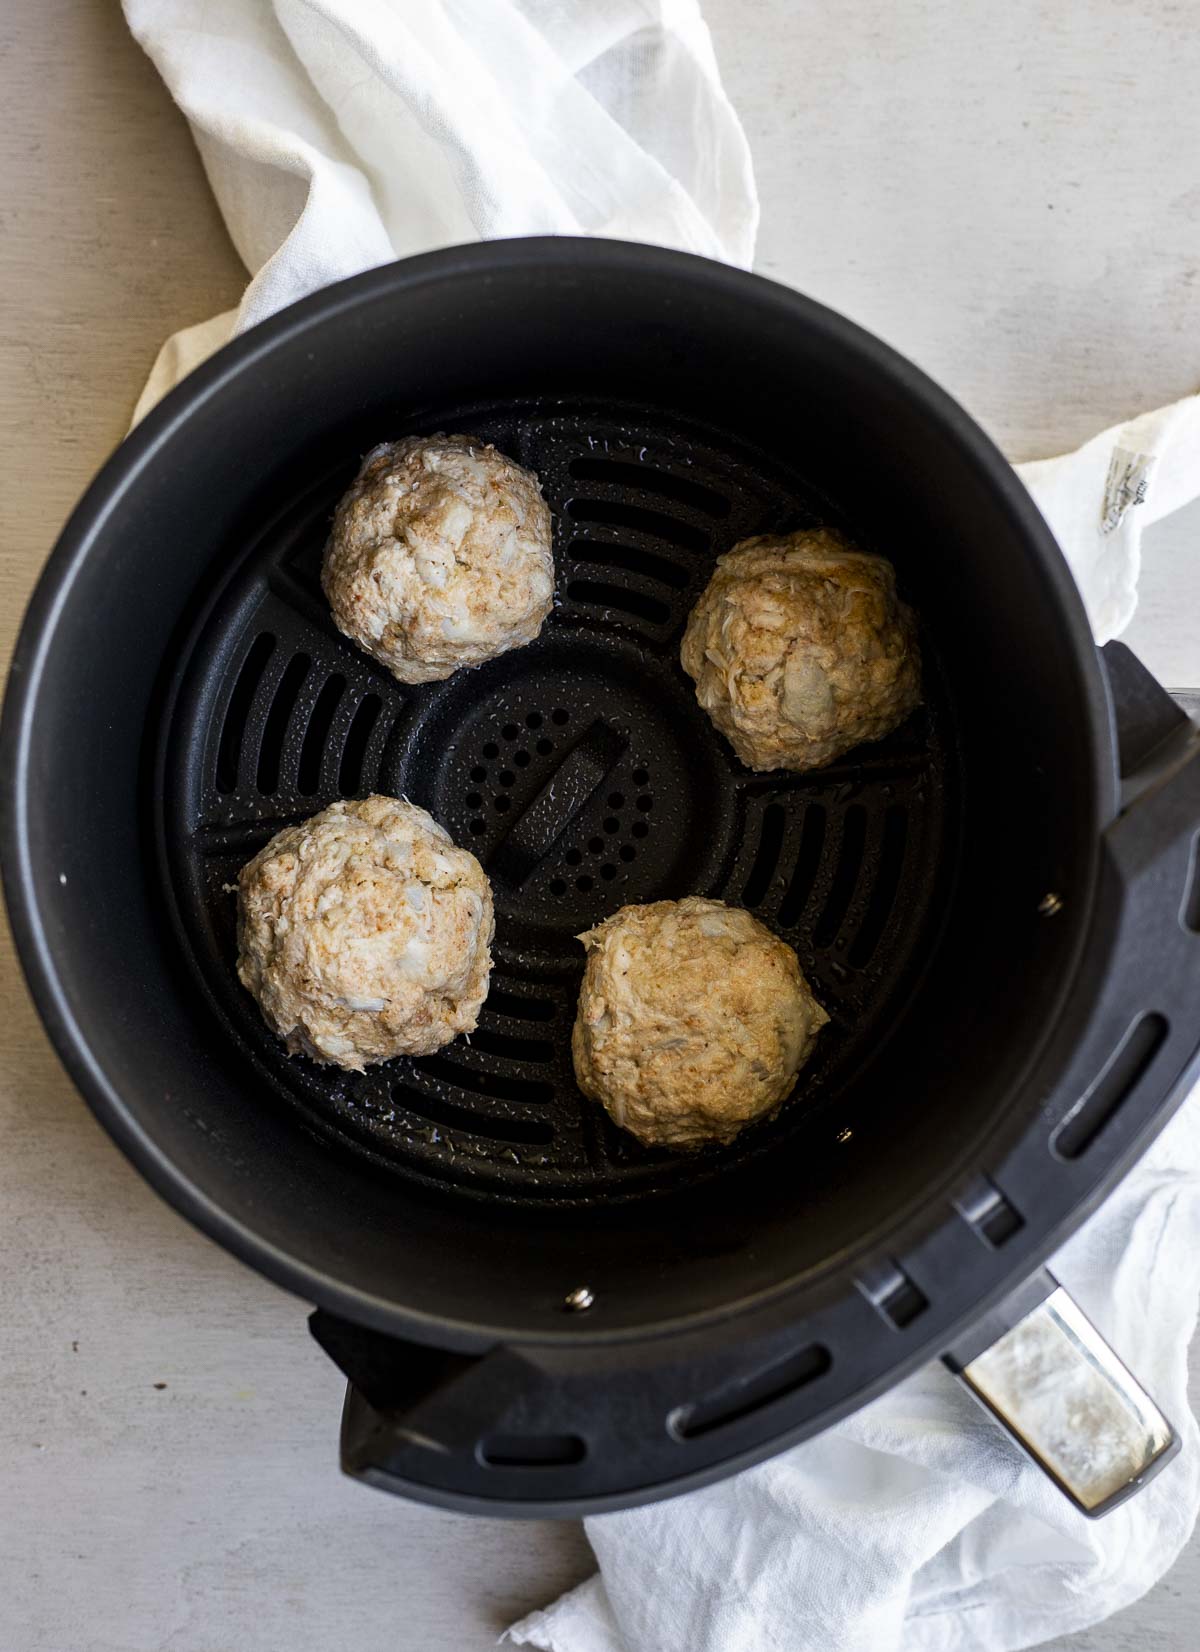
{"x":290,"y":330}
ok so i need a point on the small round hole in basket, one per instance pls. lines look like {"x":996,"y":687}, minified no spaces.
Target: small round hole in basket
{"x":583,"y":884}
{"x":521,"y":759}
{"x":478,"y":827}
{"x":573,"y":857}
{"x":640,"y":777}
{"x":534,"y":720}
{"x":639,"y":828}
{"x":628,"y":852}
{"x":545,"y":747}
{"x":510,"y":731}
{"x":560,"y":716}
{"x":491,"y":749}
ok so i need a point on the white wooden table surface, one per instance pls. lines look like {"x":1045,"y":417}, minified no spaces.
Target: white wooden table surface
{"x":1007,"y":193}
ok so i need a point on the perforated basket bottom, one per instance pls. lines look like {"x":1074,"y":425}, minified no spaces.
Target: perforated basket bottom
{"x":277,"y":715}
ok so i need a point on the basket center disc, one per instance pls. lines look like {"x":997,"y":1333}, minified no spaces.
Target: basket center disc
{"x":582,"y":774}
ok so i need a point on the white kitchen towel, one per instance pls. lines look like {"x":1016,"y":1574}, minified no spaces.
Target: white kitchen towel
{"x":338,"y":134}
{"x":1101,"y":498}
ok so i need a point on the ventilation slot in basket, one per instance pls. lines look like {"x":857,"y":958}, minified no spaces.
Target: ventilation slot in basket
{"x":770,"y":842}
{"x":495,"y":1085}
{"x":618,"y":474}
{"x":270,"y":753}
{"x":521,"y":1132}
{"x":354,"y":752}
{"x":1121,"y":1074}
{"x":1190,"y":910}
{"x":854,"y":841}
{"x":628,"y":560}
{"x":742,"y":1398}
{"x":885,"y":888}
{"x":808,"y":864}
{"x":532,"y":1450}
{"x":619,"y":599}
{"x":612,"y":513}
{"x":233,"y":729}
{"x":316,"y":736}
{"x":537,"y":1050}
{"x":516,"y":1008}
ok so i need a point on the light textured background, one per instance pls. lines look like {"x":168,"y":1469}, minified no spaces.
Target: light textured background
{"x":1007,"y":193}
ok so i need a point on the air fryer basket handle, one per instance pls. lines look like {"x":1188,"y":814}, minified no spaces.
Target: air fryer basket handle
{"x":1044,"y":1372}
{"x":1037,"y":1363}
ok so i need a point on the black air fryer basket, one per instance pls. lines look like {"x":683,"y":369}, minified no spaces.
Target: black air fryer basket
{"x":998,"y":905}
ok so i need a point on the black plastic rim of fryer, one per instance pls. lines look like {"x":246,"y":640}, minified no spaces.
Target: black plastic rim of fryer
{"x":1052,"y":1191}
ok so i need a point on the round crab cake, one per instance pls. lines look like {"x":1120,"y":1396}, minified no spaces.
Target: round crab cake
{"x":800,"y":649}
{"x":365,"y":934}
{"x":693,"y":1021}
{"x":439,"y":556}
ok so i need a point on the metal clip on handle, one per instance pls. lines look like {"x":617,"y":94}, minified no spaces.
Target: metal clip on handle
{"x":1045,"y":1373}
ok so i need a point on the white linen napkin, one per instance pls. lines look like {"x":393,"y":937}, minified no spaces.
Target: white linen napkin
{"x":1101,"y":498}
{"x":339,"y":134}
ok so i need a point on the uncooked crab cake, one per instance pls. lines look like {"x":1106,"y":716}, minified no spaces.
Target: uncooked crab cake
{"x":365,"y":934}
{"x":439,"y":556}
{"x":800,"y":649}
{"x":693,"y":1021}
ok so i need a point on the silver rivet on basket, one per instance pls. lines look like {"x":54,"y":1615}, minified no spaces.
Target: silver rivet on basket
{"x":1050,"y":905}
{"x":576,"y":1301}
